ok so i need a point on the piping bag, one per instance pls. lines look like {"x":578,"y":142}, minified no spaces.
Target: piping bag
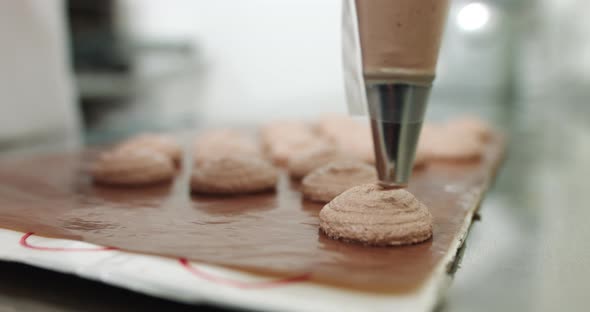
{"x":389,"y":53}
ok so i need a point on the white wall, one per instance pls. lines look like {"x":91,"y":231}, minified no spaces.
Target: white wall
{"x":36,"y":95}
{"x":264,"y":57}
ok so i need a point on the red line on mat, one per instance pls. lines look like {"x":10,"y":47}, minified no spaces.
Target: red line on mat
{"x":239,"y":284}
{"x":23,"y":242}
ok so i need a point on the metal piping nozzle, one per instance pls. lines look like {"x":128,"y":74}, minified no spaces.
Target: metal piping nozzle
{"x":397,"y":112}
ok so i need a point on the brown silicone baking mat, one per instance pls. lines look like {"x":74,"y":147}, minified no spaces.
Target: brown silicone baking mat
{"x":274,"y":233}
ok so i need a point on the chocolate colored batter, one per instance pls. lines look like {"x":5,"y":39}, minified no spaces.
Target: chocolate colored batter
{"x":272,"y":233}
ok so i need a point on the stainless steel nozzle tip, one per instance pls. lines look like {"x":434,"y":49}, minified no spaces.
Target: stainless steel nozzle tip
{"x":396,"y":111}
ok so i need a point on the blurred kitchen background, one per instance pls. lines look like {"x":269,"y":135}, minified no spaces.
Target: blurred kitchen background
{"x":89,"y":72}
{"x":164,"y":65}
